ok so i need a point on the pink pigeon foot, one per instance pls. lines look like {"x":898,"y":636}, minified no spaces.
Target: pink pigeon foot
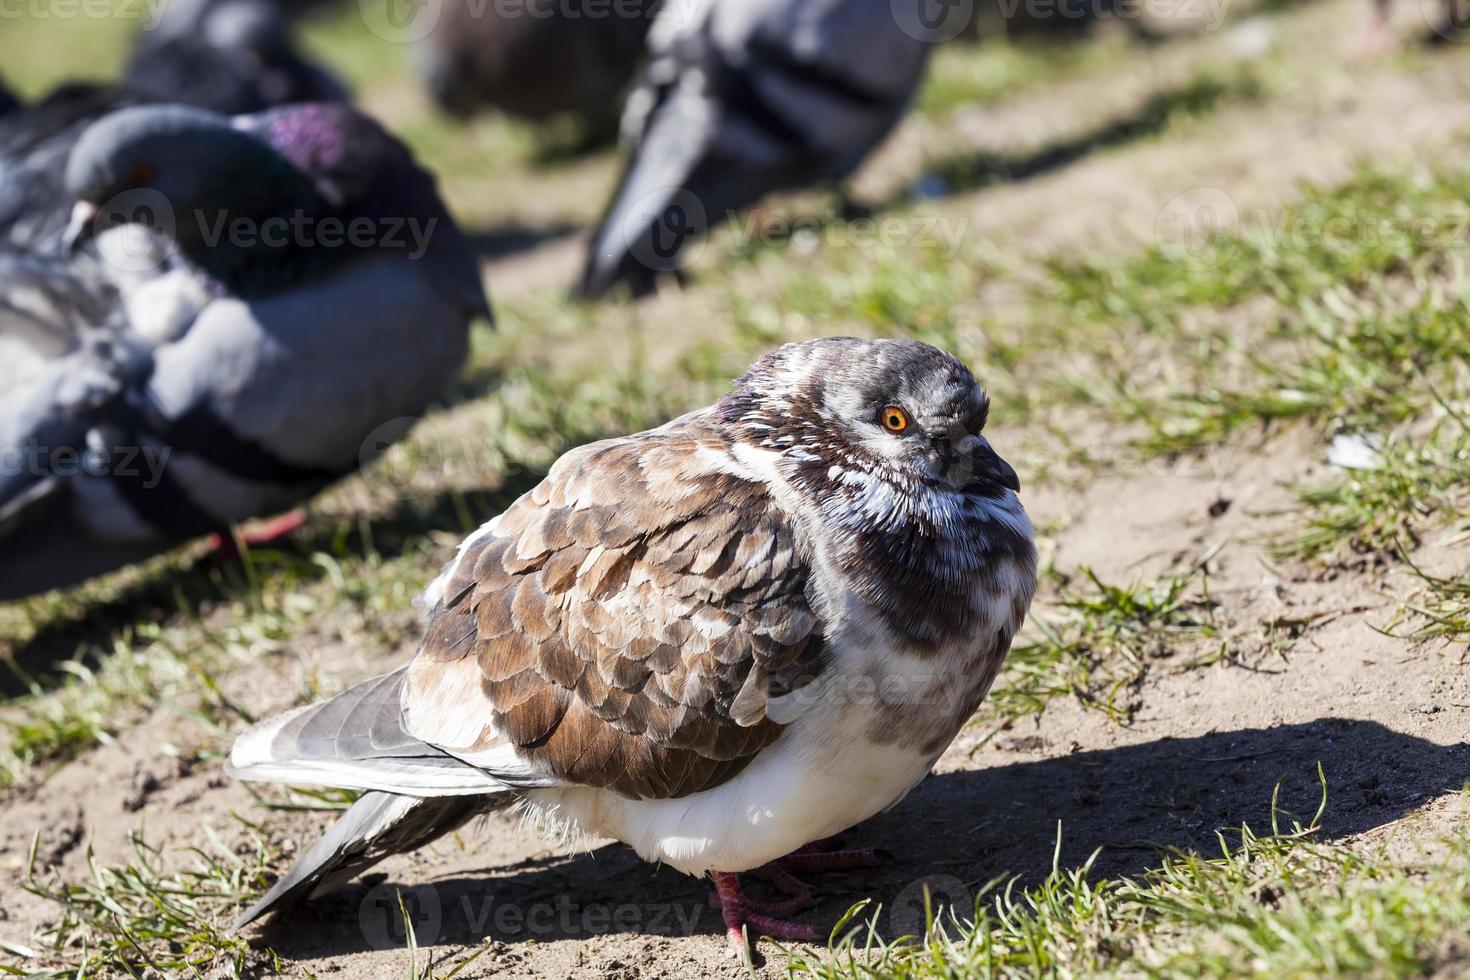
{"x":744,"y":915}
{"x":742,"y":918}
{"x":225,"y":547}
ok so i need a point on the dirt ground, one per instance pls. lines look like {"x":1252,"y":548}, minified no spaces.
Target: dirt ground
{"x":1308,"y":678}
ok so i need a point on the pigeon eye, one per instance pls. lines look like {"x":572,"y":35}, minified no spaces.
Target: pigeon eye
{"x":142,"y":175}
{"x":894,"y":419}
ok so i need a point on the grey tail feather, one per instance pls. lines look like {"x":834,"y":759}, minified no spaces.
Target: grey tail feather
{"x":661,"y":165}
{"x":376,"y":826}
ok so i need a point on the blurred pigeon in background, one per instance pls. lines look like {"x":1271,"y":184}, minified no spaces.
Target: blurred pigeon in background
{"x":8,"y":100}
{"x":35,"y":142}
{"x":229,"y":56}
{"x":741,"y":98}
{"x":534,"y":61}
{"x":247,"y":302}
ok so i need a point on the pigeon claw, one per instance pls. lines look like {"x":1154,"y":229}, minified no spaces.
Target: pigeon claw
{"x":744,"y":917}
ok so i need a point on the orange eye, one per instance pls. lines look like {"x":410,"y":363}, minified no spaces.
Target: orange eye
{"x":894,"y":419}
{"x":142,"y":175}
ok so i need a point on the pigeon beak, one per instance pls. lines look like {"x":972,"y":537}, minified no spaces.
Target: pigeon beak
{"x":988,"y":464}
{"x":82,"y":228}
{"x":996,"y":470}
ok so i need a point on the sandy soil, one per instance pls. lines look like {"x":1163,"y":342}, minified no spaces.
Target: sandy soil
{"x":1307,"y":679}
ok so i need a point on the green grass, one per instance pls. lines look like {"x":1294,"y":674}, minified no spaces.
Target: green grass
{"x":154,"y":672}
{"x":1349,"y":313}
{"x":1098,"y":642}
{"x":1441,"y":610}
{"x":984,"y":74}
{"x":154,"y":916}
{"x":1391,"y":507}
{"x":1281,"y":906}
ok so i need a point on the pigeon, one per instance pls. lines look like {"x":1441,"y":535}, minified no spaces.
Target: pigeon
{"x":245,"y":303}
{"x":35,"y":142}
{"x":720,"y":641}
{"x":228,"y":56}
{"x":536,"y":62}
{"x":742,"y":98}
{"x":231,"y":56}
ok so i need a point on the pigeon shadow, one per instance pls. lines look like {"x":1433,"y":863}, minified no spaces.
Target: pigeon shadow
{"x":968,"y":172}
{"x":175,"y":584}
{"x":506,"y":240}
{"x":956,"y":832}
{"x":962,"y":173}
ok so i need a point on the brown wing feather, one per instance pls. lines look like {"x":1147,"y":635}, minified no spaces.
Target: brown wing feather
{"x":625,"y":623}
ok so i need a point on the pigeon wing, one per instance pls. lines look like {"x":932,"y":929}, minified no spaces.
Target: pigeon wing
{"x":623,"y":625}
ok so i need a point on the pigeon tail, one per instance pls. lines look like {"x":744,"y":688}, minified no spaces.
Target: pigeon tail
{"x":355,"y":741}
{"x":415,"y":792}
{"x":376,"y":826}
{"x":658,"y":208}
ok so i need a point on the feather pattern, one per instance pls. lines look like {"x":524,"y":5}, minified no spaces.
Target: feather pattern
{"x":628,"y":640}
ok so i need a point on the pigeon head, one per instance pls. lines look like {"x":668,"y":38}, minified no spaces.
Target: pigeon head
{"x":881,"y":440}
{"x":898,"y":411}
{"x":179,"y":170}
{"x":265,"y":201}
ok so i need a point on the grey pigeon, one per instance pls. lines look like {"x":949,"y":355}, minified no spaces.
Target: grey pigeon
{"x":35,"y":141}
{"x":228,"y":56}
{"x":741,"y":98}
{"x":717,"y":641}
{"x":231,"y":56}
{"x":534,"y":60}
{"x":250,"y":299}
